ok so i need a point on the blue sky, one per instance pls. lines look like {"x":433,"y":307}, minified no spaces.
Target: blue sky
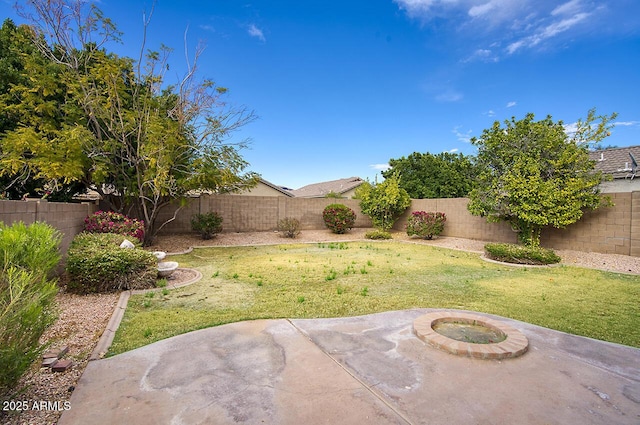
{"x":340,"y":87}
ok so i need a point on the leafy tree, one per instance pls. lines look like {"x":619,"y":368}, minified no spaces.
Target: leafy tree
{"x":383,"y":202}
{"x":30,"y":93}
{"x":445,"y":175}
{"x":532,"y":174}
{"x":114,"y":124}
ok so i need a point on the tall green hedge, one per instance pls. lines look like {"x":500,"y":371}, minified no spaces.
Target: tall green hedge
{"x":28,"y":257}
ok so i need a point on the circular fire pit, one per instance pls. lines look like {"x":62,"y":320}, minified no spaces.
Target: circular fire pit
{"x":471,"y":335}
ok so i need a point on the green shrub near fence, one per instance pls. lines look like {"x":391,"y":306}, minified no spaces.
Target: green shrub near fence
{"x":29,"y":254}
{"x":520,"y":254}
{"x":339,"y":218}
{"x":425,"y":225}
{"x":96,"y":263}
{"x":207,"y":224}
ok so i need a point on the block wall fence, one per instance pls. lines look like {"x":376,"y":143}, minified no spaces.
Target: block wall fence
{"x":612,"y":230}
{"x":67,"y":218}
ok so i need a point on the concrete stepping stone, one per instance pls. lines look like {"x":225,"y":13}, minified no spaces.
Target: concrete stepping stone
{"x":49,"y":361}
{"x":62,"y":365}
{"x":58,"y":353}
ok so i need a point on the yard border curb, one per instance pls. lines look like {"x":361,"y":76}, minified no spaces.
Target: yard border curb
{"x":109,"y":333}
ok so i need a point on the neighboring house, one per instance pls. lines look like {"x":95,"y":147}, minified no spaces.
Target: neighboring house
{"x":622,"y":165}
{"x":345,"y":188}
{"x":265,"y":188}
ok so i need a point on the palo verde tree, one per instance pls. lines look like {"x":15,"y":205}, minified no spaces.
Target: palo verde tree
{"x":425,"y":175}
{"x":533,"y":174}
{"x":21,"y":67}
{"x":120,"y":128}
{"x":383,"y":202}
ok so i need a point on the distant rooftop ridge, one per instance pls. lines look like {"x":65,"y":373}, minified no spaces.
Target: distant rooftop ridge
{"x":322,"y":189}
{"x":616,"y":161}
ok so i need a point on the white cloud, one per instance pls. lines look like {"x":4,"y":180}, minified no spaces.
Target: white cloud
{"x":567,"y":8}
{"x":256,"y":32}
{"x":511,"y":26}
{"x":450,"y":96}
{"x":490,"y":113}
{"x":484,"y":55}
{"x":489,"y":7}
{"x":571,"y":129}
{"x":453,"y":150}
{"x":626,"y":123}
{"x":511,"y":104}
{"x":380,"y":167}
{"x":545,"y":32}
{"x":416,"y":7}
{"x":462,"y":137}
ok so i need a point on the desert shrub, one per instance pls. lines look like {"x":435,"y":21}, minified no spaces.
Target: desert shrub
{"x":339,"y":218}
{"x":113,"y":222}
{"x":289,"y":227}
{"x":207,"y":224}
{"x":425,"y":224}
{"x":377,"y":234}
{"x":33,"y":247}
{"x":96,"y":263}
{"x":29,"y":255}
{"x":520,"y":254}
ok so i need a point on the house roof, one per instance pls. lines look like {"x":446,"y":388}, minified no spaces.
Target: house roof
{"x":616,"y":161}
{"x":320,"y":190}
{"x":280,"y":189}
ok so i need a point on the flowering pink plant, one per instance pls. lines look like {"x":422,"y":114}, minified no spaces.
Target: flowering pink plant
{"x":338,"y":218}
{"x":113,"y":222}
{"x":425,"y":224}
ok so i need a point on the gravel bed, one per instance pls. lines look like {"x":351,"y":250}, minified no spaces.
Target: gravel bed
{"x":83,"y":318}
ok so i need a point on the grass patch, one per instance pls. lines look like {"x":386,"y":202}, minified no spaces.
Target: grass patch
{"x":350,"y":279}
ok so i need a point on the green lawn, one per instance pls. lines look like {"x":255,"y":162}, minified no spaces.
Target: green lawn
{"x":349,"y":279}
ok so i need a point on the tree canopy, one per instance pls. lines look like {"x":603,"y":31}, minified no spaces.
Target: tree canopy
{"x":79,"y":113}
{"x":532,"y":174}
{"x":383,"y":202}
{"x":425,"y":175}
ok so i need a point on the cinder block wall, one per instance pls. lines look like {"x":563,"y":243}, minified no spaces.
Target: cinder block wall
{"x":634,"y":250}
{"x":612,"y":230}
{"x":67,"y":218}
{"x":257,"y":213}
{"x":609,"y":230}
{"x":460,"y":223}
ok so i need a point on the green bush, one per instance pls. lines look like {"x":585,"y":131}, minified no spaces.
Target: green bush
{"x":29,"y":255}
{"x":33,"y":247}
{"x":289,"y":227}
{"x":207,"y":224}
{"x":425,"y":224}
{"x":383,"y":202}
{"x":377,"y":234}
{"x":339,"y":218}
{"x":520,"y":254}
{"x":96,"y":263}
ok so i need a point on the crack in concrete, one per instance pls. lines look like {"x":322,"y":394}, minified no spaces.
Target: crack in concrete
{"x":369,"y":388}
